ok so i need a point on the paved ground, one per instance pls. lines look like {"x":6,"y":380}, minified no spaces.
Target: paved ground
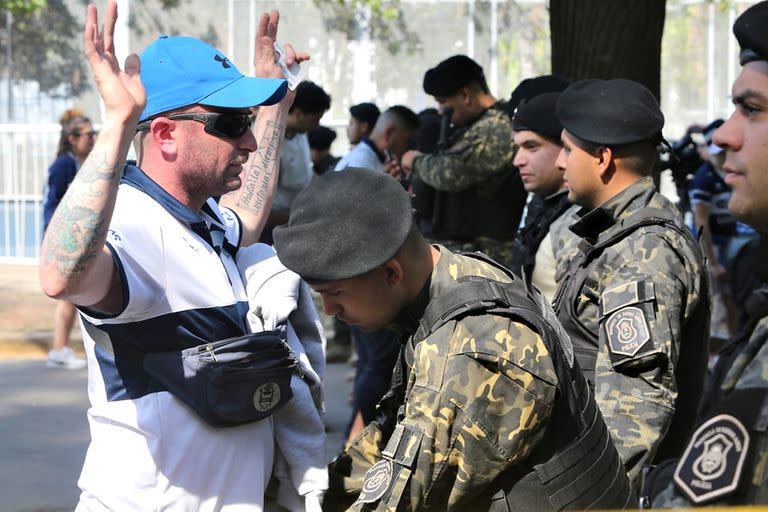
{"x":43,"y":428}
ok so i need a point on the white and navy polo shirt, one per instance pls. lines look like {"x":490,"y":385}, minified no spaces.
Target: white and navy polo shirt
{"x":181,"y":288}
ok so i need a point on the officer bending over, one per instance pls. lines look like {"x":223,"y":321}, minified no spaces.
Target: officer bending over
{"x":486,"y":388}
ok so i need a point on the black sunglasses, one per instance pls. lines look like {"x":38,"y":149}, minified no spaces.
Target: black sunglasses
{"x":228,"y":125}
{"x":91,"y":134}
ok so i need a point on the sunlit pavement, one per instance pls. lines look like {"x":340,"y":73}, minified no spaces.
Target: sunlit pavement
{"x":44,"y":432}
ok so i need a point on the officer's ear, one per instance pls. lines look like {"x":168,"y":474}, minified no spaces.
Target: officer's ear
{"x":465,"y":96}
{"x":393,"y":271}
{"x":605,"y":160}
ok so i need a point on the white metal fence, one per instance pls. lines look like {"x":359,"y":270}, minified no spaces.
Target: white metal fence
{"x":26,"y":151}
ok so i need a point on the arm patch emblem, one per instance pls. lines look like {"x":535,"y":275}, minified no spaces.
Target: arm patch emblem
{"x":376,"y":482}
{"x":627,"y":331}
{"x":713,"y":461}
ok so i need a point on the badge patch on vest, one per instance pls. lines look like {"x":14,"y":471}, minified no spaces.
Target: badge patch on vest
{"x":712,"y":464}
{"x":627,"y":331}
{"x":376,"y":481}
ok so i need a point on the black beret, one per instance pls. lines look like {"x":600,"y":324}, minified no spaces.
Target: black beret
{"x":344,"y":224}
{"x":610,"y":112}
{"x":321,"y":137}
{"x":365,"y":112}
{"x":750,"y":30}
{"x":539,"y":115}
{"x":532,"y":87}
{"x":452,"y":74}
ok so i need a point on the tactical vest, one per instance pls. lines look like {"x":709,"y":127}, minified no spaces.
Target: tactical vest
{"x":692,"y":359}
{"x":489,"y":209}
{"x":576,"y":466}
{"x":535,"y":230}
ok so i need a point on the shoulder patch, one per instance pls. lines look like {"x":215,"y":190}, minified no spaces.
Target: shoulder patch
{"x":376,"y":481}
{"x":627,"y":331}
{"x":713,"y":461}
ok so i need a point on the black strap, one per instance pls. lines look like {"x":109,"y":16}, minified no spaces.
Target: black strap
{"x":475,"y":295}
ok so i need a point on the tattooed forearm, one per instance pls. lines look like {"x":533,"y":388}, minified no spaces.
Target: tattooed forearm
{"x":259,"y":176}
{"x":78,"y":228}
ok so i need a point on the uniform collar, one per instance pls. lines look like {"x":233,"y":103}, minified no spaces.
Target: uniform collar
{"x":594,"y":222}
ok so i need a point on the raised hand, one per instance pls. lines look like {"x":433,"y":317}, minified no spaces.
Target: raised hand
{"x":265,"y":57}
{"x":122,"y":91}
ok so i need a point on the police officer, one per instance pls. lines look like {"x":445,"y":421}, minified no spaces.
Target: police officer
{"x":479,"y":197}
{"x":724,"y":461}
{"x":636,"y":298}
{"x":487,"y":409}
{"x":543,"y":239}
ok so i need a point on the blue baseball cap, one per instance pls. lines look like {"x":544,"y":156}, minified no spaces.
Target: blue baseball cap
{"x":182,"y":71}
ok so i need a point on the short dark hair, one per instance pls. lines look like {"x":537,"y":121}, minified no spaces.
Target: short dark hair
{"x":407,"y":117}
{"x":321,"y":138}
{"x":311,"y":98}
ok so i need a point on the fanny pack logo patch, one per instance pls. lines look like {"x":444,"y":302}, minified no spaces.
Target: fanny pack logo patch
{"x":266,"y":396}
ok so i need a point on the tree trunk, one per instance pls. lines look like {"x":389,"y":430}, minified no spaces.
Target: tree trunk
{"x":608,"y":39}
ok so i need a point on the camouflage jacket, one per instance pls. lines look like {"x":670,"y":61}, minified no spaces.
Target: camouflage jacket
{"x":725,"y":460}
{"x":482,"y":150}
{"x":639,"y":310}
{"x":478,"y":399}
{"x":565,"y":243}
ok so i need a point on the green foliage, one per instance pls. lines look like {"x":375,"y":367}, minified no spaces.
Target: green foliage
{"x":21,"y":7}
{"x":383,"y":19}
{"x":46,"y":49}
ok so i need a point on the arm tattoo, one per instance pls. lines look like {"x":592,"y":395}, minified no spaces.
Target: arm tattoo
{"x":259,"y":175}
{"x":77,"y":231}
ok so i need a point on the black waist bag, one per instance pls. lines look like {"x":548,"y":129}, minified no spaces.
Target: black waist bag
{"x":229,"y":382}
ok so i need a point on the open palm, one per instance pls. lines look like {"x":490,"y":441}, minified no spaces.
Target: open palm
{"x":122,"y":91}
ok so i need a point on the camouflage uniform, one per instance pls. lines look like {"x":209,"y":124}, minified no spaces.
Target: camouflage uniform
{"x":543,"y":238}
{"x":479,"y":196}
{"x":478,"y":398}
{"x":637,"y":313}
{"x":565,"y":243}
{"x":725,"y":460}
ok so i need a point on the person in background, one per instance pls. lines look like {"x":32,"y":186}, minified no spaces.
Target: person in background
{"x":377,"y":349}
{"x":311,"y":103}
{"x":388,"y":140}
{"x":320,"y":140}
{"x":479,"y":197}
{"x":537,"y":138}
{"x":362,"y":119}
{"x":709,"y":196}
{"x":75,"y":143}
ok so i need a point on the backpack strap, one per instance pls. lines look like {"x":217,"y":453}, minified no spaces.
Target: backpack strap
{"x":474,"y":295}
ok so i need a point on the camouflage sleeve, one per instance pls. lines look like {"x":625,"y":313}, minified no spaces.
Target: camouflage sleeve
{"x":565,"y":243}
{"x":346,"y":472}
{"x":725,"y":480}
{"x":483,"y":150}
{"x":642,"y":305}
{"x":480,"y":396}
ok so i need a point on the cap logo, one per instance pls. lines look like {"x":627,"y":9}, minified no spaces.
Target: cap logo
{"x":224,"y":61}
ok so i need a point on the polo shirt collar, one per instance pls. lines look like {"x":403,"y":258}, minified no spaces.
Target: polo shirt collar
{"x":136,"y":178}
